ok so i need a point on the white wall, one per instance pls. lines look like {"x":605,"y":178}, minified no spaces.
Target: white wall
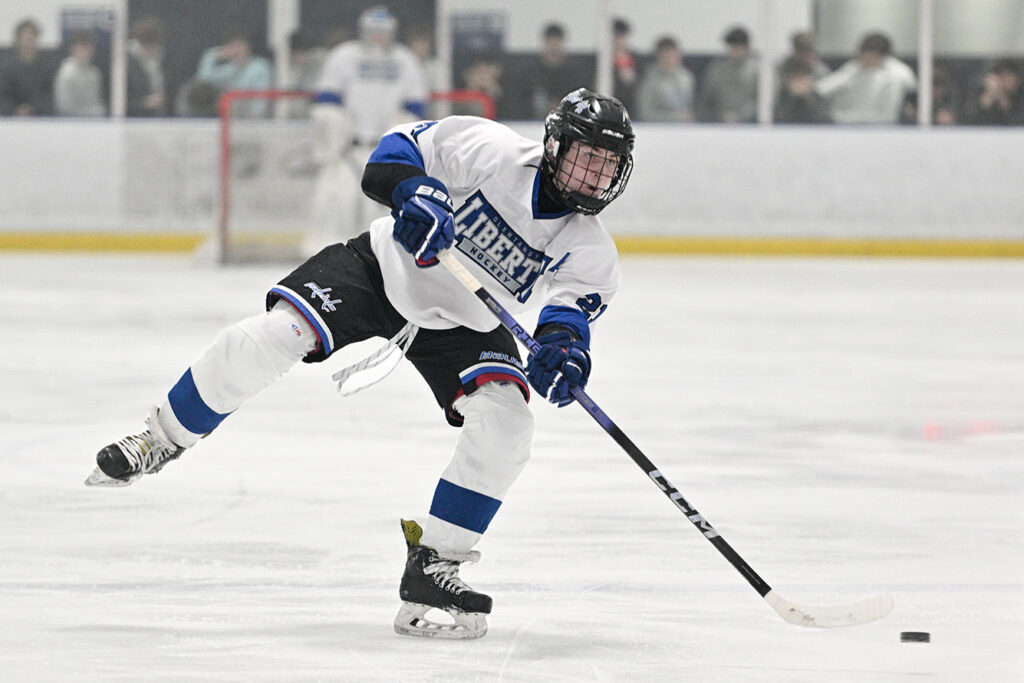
{"x":161,"y":176}
{"x":60,"y":177}
{"x":825,"y":182}
{"x":134,"y":175}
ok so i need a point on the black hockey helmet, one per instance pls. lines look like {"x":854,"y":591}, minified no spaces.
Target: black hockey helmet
{"x":595,"y":120}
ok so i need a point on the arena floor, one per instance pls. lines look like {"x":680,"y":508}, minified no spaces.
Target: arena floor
{"x":850,"y":427}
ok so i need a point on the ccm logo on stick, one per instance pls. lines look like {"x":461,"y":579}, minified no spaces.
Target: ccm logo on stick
{"x":681,"y":503}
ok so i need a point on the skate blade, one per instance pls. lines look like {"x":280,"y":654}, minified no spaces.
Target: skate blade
{"x":410,"y":621}
{"x":98,"y":478}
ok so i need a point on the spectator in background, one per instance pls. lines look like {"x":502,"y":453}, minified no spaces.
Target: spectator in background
{"x":666,"y":92}
{"x":1001,"y":101}
{"x":227,"y":67}
{"x":146,"y":82}
{"x":870,"y":88}
{"x":484,"y":75}
{"x":945,"y":102}
{"x":551,"y":76}
{"x":728,"y":93}
{"x":78,"y":88}
{"x":26,"y":76}
{"x":198,"y":98}
{"x":804,"y":52}
{"x":421,"y":42}
{"x":797,"y":101}
{"x":305,"y":62}
{"x":624,"y":67}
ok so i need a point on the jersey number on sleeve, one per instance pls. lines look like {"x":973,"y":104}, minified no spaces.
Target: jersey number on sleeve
{"x":592,"y":306}
{"x":420,"y":128}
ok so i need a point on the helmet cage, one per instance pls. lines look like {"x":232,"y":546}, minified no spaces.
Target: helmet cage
{"x":601,"y":123}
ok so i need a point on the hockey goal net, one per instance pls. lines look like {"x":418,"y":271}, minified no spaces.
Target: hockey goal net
{"x":268,"y":174}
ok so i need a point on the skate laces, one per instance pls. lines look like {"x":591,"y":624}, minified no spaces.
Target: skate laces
{"x":143,"y":451}
{"x":446,"y":575}
{"x":150,"y":450}
{"x":445,"y":570}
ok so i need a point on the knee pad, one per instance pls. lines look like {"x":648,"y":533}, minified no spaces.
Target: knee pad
{"x":496,"y":437}
{"x":283,"y":334}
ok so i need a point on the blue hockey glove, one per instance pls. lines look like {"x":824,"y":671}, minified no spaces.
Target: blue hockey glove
{"x":562,"y":362}
{"x":423,"y":218}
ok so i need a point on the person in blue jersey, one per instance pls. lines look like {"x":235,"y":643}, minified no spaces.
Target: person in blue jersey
{"x":523,"y":217}
{"x":365,"y":87}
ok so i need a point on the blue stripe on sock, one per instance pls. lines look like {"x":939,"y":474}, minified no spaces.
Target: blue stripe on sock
{"x":189,"y":407}
{"x":462,"y":507}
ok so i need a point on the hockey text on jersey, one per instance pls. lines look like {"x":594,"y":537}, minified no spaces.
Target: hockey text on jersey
{"x":484,"y":236}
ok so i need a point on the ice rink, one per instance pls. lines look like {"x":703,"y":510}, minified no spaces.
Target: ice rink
{"x":851,"y":427}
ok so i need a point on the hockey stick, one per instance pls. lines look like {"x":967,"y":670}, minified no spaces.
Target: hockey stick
{"x":851,"y":614}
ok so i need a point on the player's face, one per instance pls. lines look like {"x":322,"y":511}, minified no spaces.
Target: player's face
{"x":587,"y":170}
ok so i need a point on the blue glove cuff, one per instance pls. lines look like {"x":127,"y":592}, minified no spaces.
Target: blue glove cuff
{"x":562,"y":336}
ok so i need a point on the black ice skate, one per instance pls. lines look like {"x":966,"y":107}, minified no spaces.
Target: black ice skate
{"x":431,"y":581}
{"x":121,"y":463}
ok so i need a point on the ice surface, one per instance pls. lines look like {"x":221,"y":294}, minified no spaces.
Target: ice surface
{"x":849,"y":426}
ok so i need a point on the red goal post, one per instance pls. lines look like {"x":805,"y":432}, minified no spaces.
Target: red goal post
{"x":266,"y":167}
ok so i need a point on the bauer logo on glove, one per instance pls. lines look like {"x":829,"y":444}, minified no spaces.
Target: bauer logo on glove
{"x":436,"y":195}
{"x":423,"y":218}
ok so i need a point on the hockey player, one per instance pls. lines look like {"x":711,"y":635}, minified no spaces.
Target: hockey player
{"x":366,"y":87}
{"x":521,"y":217}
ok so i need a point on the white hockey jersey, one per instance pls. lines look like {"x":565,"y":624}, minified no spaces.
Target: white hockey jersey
{"x":564,"y":262}
{"x":374,"y":84}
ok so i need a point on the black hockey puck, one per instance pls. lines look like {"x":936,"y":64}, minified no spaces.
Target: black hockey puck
{"x":915,"y":637}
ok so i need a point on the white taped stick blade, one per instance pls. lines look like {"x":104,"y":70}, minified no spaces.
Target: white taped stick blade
{"x":832,"y":616}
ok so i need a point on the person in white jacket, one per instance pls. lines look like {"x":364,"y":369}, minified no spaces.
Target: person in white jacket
{"x":871,"y":88}
{"x":78,"y":88}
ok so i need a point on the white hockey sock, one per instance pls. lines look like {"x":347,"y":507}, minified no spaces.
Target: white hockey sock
{"x":242,"y":361}
{"x":492,"y":450}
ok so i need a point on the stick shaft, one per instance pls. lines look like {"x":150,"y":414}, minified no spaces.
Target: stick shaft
{"x":670,"y":491}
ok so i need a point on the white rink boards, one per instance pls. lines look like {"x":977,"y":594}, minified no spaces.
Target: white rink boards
{"x":849,"y":426}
